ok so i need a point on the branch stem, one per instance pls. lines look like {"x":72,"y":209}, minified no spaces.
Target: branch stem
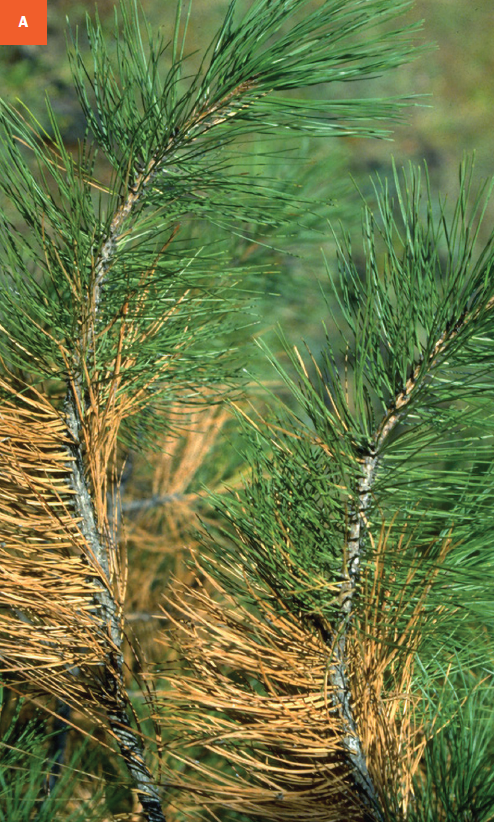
{"x":127,"y":739}
{"x":338,"y":675}
{"x":356,"y":534}
{"x":99,"y":547}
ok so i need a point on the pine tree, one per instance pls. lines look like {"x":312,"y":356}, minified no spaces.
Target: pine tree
{"x":329,"y":664}
{"x":342,"y":668}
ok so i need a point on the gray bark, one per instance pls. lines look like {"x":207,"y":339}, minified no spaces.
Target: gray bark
{"x":127,"y":739}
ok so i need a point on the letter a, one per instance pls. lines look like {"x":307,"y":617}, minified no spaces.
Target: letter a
{"x":23,"y":22}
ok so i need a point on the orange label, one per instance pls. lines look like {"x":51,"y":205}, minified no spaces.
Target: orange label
{"x":23,"y":23}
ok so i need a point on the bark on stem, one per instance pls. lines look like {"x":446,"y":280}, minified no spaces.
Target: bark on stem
{"x":127,"y":739}
{"x":339,"y":680}
{"x":356,"y":534}
{"x":76,"y":405}
{"x":98,"y":555}
{"x":351,"y":571}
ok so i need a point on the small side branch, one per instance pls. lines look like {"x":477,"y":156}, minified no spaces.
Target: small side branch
{"x":139,"y":506}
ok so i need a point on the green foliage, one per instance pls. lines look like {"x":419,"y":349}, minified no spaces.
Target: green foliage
{"x":458,"y":779}
{"x":121,"y":250}
{"x":24,"y":778}
{"x":350,"y":572}
{"x":383,"y":470}
{"x":405,"y":380}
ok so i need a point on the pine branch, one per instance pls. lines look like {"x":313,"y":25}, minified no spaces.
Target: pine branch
{"x":98,"y":554}
{"x":124,"y":314}
{"x":365,"y":529}
{"x":348,"y":590}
